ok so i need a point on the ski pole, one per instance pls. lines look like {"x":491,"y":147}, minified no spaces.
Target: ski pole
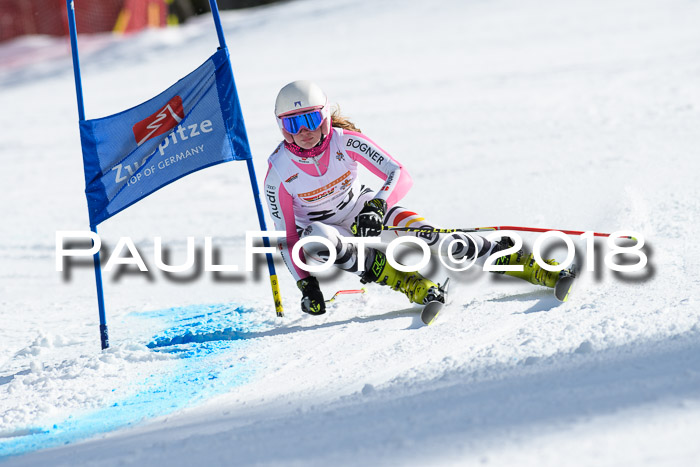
{"x":500,"y":227}
{"x":343,"y":292}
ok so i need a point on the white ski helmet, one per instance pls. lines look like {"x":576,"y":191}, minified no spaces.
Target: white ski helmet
{"x":301,"y":97}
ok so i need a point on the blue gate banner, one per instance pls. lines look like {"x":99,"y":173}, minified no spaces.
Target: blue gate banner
{"x":194,"y":124}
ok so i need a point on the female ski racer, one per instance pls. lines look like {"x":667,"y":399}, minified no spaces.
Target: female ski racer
{"x":312,"y":189}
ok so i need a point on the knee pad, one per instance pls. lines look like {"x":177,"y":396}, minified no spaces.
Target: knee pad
{"x":316,"y":250}
{"x":346,"y":253}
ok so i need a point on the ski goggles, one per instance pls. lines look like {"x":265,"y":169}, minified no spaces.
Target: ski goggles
{"x":311,"y":120}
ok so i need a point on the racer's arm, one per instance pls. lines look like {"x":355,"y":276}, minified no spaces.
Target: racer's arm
{"x":279,"y":203}
{"x":363,"y":150}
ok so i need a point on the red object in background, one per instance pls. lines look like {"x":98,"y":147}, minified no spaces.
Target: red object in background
{"x":23,"y":17}
{"x":139,"y":14}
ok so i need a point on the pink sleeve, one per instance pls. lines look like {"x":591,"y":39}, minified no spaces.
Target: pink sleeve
{"x":397,"y":181}
{"x":280,"y":205}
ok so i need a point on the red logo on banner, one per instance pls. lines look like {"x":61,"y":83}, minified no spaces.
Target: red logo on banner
{"x":160,"y":122}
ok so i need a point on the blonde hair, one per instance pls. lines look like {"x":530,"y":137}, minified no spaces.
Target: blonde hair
{"x":338,"y":120}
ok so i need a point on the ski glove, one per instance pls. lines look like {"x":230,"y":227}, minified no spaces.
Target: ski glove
{"x":368,"y":222}
{"x":312,"y":301}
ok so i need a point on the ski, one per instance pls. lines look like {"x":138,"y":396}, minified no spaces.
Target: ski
{"x":432,"y":309}
{"x":565,"y":284}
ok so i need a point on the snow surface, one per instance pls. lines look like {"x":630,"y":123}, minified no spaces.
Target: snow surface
{"x":580,"y":115}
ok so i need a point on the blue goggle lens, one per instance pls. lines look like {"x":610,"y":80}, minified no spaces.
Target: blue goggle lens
{"x":295,"y":123}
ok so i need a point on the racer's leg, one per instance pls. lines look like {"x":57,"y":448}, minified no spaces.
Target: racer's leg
{"x":462,"y":245}
{"x":475,"y":244}
{"x":417,"y":288}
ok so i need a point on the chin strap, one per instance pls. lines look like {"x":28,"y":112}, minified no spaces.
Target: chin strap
{"x":313,"y":152}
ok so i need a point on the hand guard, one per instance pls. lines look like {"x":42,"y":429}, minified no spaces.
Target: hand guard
{"x":368,"y":222}
{"x":312,"y":301}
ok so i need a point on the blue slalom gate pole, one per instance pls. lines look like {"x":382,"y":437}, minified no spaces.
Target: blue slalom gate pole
{"x":253,"y":180}
{"x":104,"y":337}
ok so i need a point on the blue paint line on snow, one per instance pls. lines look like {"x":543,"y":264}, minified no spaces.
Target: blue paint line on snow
{"x":202,"y":369}
{"x":216,"y":324}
